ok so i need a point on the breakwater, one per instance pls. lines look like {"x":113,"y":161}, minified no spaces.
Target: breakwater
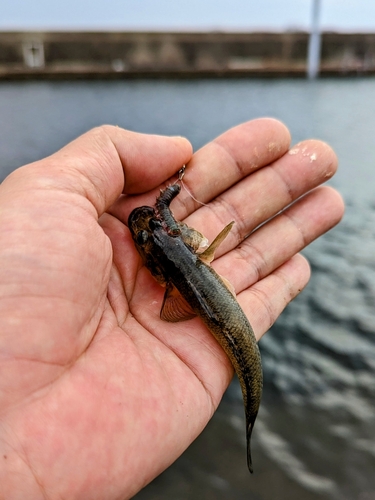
{"x":178,"y":54}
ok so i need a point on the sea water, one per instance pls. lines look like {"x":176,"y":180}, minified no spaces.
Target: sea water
{"x":315,"y":434}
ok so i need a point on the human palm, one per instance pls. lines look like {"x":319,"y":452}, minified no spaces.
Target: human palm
{"x":97,"y":394}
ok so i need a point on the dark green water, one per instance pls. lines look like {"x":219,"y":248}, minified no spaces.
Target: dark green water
{"x":315,"y":436}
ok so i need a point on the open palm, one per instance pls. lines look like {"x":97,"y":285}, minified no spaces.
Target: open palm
{"x":97,"y":394}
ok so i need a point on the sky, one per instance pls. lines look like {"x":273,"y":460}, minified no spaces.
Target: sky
{"x":340,"y":15}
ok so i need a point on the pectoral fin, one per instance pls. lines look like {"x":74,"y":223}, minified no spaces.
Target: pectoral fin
{"x":208,"y":255}
{"x":175,"y":308}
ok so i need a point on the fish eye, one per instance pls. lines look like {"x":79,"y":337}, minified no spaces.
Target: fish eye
{"x":154,"y":224}
{"x":141,"y":237}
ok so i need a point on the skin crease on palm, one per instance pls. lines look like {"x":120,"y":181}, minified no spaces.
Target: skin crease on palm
{"x":97,"y":394}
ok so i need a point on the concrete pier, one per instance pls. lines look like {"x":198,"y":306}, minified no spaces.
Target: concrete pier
{"x":153,"y":54}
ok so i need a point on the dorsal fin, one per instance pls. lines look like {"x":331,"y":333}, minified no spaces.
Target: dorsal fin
{"x":208,"y":255}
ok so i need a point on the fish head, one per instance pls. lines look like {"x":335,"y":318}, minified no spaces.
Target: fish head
{"x":143,"y":223}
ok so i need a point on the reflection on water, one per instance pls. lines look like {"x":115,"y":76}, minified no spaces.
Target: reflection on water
{"x":315,"y":435}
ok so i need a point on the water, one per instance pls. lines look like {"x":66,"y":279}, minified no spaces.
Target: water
{"x":315,"y":435}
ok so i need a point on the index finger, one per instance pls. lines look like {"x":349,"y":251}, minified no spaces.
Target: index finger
{"x":230,"y":157}
{"x":219,"y":165}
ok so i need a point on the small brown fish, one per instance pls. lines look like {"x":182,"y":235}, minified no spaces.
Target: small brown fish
{"x":169,"y":250}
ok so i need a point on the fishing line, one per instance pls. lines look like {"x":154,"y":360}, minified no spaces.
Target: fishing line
{"x":181,"y":174}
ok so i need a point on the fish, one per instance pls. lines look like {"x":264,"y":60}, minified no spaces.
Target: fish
{"x":179,"y":258}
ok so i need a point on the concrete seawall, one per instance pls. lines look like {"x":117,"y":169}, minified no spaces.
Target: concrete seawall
{"x":167,"y":54}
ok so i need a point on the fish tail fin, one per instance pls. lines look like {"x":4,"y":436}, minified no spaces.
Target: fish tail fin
{"x":249,"y":430}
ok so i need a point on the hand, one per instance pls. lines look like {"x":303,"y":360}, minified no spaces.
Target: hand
{"x":97,"y":394}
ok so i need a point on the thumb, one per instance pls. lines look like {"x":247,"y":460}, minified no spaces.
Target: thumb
{"x":107,"y":161}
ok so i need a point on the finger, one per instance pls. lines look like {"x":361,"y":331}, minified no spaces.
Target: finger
{"x":108,"y":160}
{"x":264,"y":302}
{"x":266,"y":192}
{"x":230,"y":157}
{"x":281,"y":238}
{"x":220,"y":164}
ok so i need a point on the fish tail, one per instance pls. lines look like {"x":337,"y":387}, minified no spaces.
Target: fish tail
{"x":249,"y":430}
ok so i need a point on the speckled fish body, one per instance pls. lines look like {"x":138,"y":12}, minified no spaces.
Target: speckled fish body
{"x":169,"y":250}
